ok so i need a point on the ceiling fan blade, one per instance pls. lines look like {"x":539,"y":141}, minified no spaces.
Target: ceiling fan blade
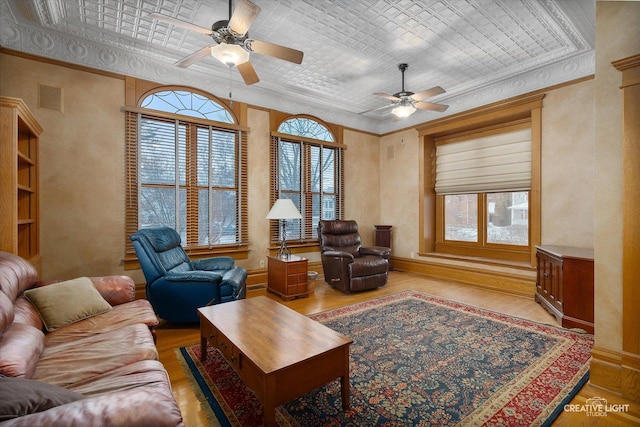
{"x":248,"y":73}
{"x":437,"y":90}
{"x":243,"y":16}
{"x":194,"y":57}
{"x":276,"y":51}
{"x":387,"y":96}
{"x":378,"y":108}
{"x":179,"y":23}
{"x":431,"y":106}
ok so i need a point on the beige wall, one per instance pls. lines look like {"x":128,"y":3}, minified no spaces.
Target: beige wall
{"x":399,"y":190}
{"x":617,"y":35}
{"x":568,"y":166}
{"x":82,"y":166}
{"x":362,"y":182}
{"x":258,"y":187}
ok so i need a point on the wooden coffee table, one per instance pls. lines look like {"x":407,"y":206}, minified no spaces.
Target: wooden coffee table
{"x":279,"y":353}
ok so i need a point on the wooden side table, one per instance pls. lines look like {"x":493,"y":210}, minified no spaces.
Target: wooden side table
{"x":287,"y":277}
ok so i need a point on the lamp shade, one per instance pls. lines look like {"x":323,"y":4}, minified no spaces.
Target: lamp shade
{"x":404,"y":110}
{"x":230,"y":54}
{"x":284,"y":209}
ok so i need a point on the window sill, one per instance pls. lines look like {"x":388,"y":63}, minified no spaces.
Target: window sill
{"x":489,"y":262}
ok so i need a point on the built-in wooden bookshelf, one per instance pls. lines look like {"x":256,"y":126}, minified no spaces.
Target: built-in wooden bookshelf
{"x":19,"y":211}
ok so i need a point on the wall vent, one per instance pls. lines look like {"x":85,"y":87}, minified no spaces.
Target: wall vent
{"x":50,"y":97}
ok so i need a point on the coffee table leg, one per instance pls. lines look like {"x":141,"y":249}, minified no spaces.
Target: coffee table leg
{"x":344,"y":381}
{"x":269,"y":414}
{"x":203,"y":348}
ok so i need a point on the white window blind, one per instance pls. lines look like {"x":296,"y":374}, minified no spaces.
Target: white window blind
{"x":499,"y":162}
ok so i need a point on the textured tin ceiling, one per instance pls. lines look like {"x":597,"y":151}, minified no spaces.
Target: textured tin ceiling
{"x":479,"y":51}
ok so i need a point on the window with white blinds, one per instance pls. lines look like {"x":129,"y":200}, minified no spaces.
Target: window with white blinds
{"x":500,"y":162}
{"x":309,"y":171}
{"x":188,"y":174}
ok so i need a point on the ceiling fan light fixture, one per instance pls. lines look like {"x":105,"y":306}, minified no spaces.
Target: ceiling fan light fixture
{"x":230,"y":54}
{"x":403,"y":110}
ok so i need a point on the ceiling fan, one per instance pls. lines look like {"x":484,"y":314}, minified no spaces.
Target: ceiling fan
{"x":405,"y":102}
{"x":232,"y":44}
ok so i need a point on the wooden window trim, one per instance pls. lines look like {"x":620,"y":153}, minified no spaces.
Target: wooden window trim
{"x":496,"y":118}
{"x":307,"y":243}
{"x":237,"y":250}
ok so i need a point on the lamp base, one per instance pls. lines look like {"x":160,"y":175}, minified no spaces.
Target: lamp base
{"x":283,"y":251}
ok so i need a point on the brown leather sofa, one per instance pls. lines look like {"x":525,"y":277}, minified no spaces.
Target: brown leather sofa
{"x":100,"y":371}
{"x":348,"y":265}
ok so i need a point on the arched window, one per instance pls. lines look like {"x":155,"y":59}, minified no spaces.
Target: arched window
{"x":304,"y":126}
{"x":187,"y":104}
{"x":186,"y":163}
{"x":306,"y":167}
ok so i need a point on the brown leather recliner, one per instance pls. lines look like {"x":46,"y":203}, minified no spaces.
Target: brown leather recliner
{"x":347,"y":265}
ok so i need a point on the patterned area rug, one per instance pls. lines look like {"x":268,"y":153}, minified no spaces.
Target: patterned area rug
{"x":419,"y":360}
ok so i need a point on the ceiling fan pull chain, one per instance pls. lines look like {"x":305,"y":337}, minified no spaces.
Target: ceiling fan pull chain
{"x":230,"y":88}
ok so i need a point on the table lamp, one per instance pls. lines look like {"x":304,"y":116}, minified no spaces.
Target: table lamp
{"x":282,"y":210}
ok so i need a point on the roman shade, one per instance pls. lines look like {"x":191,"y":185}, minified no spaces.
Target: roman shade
{"x":500,"y":162}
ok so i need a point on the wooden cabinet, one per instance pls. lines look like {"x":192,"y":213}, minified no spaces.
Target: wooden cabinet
{"x":19,"y":210}
{"x":288,"y":277}
{"x":564,"y":284}
{"x":383,"y":238}
{"x":383,"y":235}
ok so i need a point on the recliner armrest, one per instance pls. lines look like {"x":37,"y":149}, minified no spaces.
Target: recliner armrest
{"x":194,"y":276}
{"x":236,"y":278}
{"x":338,"y":254}
{"x":376,"y":250}
{"x":213,"y":264}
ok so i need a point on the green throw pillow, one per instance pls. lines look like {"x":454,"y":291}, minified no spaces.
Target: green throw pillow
{"x":67,"y":302}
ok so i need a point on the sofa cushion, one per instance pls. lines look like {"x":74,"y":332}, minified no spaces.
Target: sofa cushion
{"x":20,"y":396}
{"x":127,"y":377}
{"x":131,"y":313}
{"x":95,"y":355}
{"x":67,"y":302}
{"x":20,"y":349}
{"x":139,"y":407}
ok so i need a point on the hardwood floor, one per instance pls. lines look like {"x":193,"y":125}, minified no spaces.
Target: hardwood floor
{"x":325,"y":298}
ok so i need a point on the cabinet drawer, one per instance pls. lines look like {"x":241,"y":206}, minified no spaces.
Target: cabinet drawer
{"x":209,"y":332}
{"x":294,"y":289}
{"x":294,"y":279}
{"x":225,"y":347}
{"x":298,"y":267}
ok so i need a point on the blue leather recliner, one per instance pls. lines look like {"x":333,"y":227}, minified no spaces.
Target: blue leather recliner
{"x":176,"y":286}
